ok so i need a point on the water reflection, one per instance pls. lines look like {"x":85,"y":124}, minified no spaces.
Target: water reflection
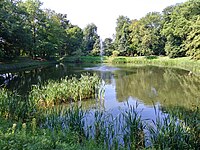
{"x":24,"y":79}
{"x":145,"y":84}
{"x":159,"y":85}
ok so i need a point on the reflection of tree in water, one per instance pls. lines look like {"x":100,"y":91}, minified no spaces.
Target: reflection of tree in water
{"x":169,"y":87}
{"x":138,"y":85}
{"x":26,"y":78}
{"x":106,"y":76}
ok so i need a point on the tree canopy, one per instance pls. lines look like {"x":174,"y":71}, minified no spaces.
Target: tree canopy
{"x":28,"y":30}
{"x":175,"y":32}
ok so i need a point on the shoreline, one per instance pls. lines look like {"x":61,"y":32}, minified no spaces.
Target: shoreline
{"x":183,"y":62}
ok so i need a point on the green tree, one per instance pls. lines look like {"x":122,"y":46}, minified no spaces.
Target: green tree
{"x":192,"y":42}
{"x":96,"y":47}
{"x":90,"y":37}
{"x":75,"y":42}
{"x":13,"y":35}
{"x":108,"y":46}
{"x":49,"y":34}
{"x":34,"y":16}
{"x":152,"y":41}
{"x":178,"y":26}
{"x":135,"y":37}
{"x":122,"y":34}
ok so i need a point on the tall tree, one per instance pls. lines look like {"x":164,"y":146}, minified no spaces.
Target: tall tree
{"x":34,"y":16}
{"x":90,"y":37}
{"x":192,"y":42}
{"x":152,"y":41}
{"x":108,"y":46}
{"x":178,"y":26}
{"x":13,"y":35}
{"x":122,"y":34}
{"x":75,"y":40}
{"x":135,"y":37}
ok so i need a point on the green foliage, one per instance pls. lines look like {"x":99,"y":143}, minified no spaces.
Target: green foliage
{"x":119,"y":60}
{"x":67,"y":90}
{"x":192,"y":42}
{"x":122,"y":34}
{"x":115,"y":53}
{"x":64,"y":128}
{"x":179,"y":29}
{"x":96,"y":48}
{"x":27,"y":29}
{"x":14,"y":106}
{"x":108,"y":46}
{"x":184,"y":62}
{"x":75,"y":43}
{"x":169,"y":133}
{"x":13,"y":35}
{"x":134,"y":136}
{"x":174,"y":33}
{"x":145,"y":35}
{"x":91,"y":39}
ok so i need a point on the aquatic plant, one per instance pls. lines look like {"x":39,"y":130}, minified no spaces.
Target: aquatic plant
{"x":14,"y":106}
{"x":133,"y":130}
{"x":66,"y":90}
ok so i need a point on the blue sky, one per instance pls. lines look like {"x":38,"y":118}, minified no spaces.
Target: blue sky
{"x":104,"y":13}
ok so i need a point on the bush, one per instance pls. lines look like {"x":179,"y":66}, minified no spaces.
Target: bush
{"x":115,"y":53}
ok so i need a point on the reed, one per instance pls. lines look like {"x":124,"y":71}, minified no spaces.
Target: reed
{"x":14,"y":106}
{"x":133,"y":130}
{"x":42,"y":123}
{"x":68,"y":128}
{"x":66,"y":90}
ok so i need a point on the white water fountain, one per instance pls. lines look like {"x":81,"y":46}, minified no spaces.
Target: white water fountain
{"x":101,"y":50}
{"x":102,"y":67}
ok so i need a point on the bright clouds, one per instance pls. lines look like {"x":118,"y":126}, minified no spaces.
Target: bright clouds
{"x":104,"y":13}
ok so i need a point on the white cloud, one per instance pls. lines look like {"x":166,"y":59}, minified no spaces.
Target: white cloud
{"x":105,"y":12}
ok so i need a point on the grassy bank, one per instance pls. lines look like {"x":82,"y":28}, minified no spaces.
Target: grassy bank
{"x":82,"y":59}
{"x":23,"y":62}
{"x":183,"y":62}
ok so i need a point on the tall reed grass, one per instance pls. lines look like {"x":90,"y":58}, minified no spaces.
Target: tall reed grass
{"x":14,"y":106}
{"x":66,"y":90}
{"x":66,"y":128}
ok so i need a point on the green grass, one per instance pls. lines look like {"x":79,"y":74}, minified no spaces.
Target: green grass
{"x":53,"y":93}
{"x":23,"y":62}
{"x":183,"y":62}
{"x":82,"y":59}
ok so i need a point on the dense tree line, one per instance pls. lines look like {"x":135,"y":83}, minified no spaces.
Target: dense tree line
{"x":26,"y":29}
{"x":175,"y":32}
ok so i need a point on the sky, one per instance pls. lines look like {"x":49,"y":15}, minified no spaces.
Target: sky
{"x":104,"y":13}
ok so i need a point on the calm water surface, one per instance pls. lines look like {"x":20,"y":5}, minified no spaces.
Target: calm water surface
{"x":145,"y":85}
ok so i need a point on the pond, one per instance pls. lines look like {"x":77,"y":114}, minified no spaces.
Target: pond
{"x":148,"y":86}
